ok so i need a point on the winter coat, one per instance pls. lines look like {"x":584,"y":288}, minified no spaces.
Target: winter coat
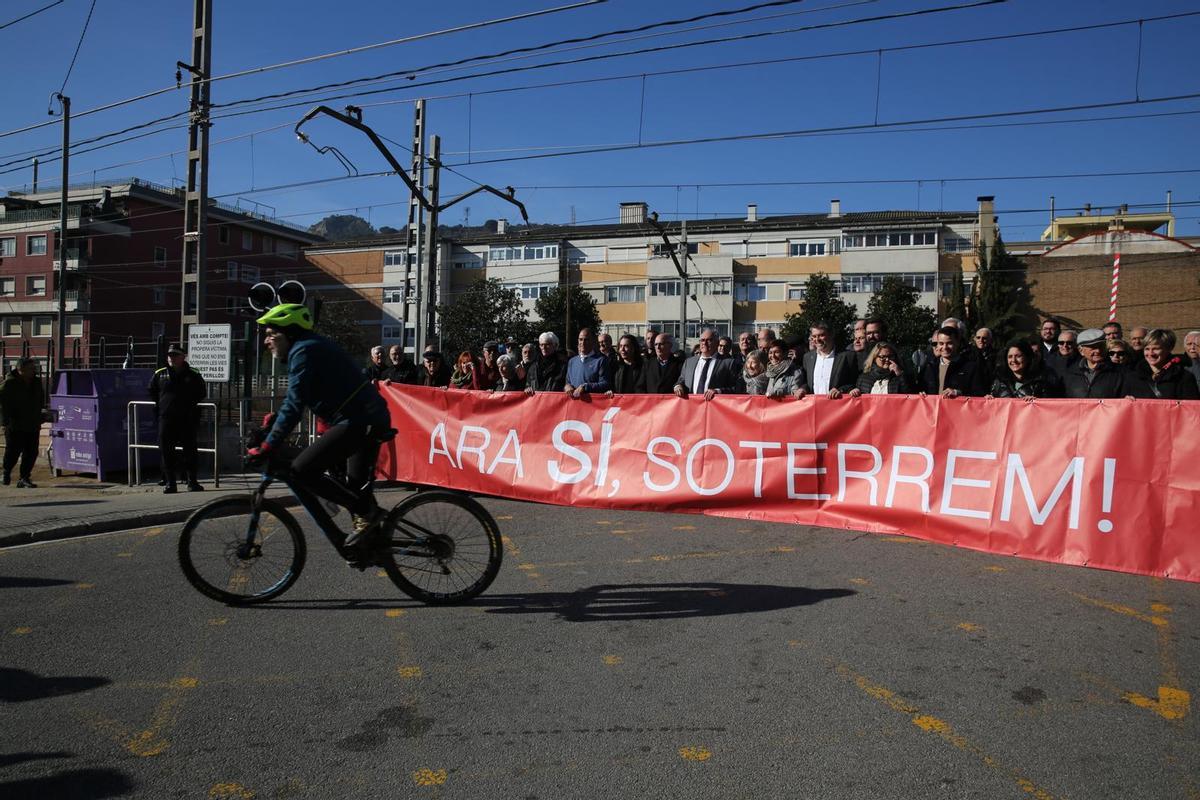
{"x":627,"y":378}
{"x":176,"y":392}
{"x":1107,"y":381}
{"x":896,"y":384}
{"x":781,"y":378}
{"x":1173,"y":382}
{"x":1039,"y":383}
{"x":22,"y":404}
{"x":963,"y":375}
{"x":549,"y":374}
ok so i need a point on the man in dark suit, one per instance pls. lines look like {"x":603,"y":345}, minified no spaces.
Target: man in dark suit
{"x":826,"y":372}
{"x":661,"y":371}
{"x":952,"y":373}
{"x":707,"y":373}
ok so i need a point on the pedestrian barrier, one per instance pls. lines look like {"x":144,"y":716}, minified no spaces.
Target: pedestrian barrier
{"x":135,"y":447}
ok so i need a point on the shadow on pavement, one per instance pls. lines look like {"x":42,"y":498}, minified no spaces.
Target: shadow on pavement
{"x":31,"y":583}
{"x":612,"y":602}
{"x":56,"y":503}
{"x":18,"y":686}
{"x":78,"y":784}
{"x":9,"y":759}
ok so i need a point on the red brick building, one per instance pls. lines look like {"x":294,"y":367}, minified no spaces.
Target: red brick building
{"x":124,"y":247}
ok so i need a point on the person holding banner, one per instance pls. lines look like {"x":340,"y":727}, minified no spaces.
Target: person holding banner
{"x":1159,"y":374}
{"x":628,"y":375}
{"x":708,"y":375}
{"x":549,"y":372}
{"x":1023,"y":376}
{"x":661,"y":371}
{"x":587,"y":372}
{"x":824,"y":372}
{"x":882,"y":373}
{"x":1093,"y":375}
{"x":951,"y":373}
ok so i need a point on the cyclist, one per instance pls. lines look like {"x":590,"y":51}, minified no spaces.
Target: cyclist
{"x":323,"y":378}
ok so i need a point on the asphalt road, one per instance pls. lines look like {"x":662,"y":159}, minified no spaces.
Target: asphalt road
{"x":617,"y":655}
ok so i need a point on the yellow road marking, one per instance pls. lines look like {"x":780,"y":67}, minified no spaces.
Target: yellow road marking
{"x":695,"y":753}
{"x":860,"y":581}
{"x":429,"y":777}
{"x":970,"y":627}
{"x":1172,"y":703}
{"x":151,"y":741}
{"x":620,"y":532}
{"x":903,"y":539}
{"x":940,"y":728}
{"x":124,"y":555}
{"x":153,"y":532}
{"x":409,"y":672}
{"x":603,"y":522}
{"x":613,"y":661}
{"x":506,"y":516}
{"x":218,"y":620}
{"x":684,"y":528}
{"x":21,"y":631}
{"x":511,"y":546}
{"x":230,"y":791}
{"x":381,"y":573}
{"x":85,"y":586}
{"x":1120,"y":609}
{"x":394,"y":612}
{"x":995,"y":569}
{"x":665,"y":558}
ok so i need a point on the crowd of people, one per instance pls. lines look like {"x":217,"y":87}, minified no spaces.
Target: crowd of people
{"x":1095,"y":363}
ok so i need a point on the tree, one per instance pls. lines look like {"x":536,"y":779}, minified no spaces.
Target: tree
{"x":1000,"y":297}
{"x":552,"y":308}
{"x":956,"y":304}
{"x":908,"y":324}
{"x":338,"y":227}
{"x":337,"y":322}
{"x":484,"y":310}
{"x":821,"y":304}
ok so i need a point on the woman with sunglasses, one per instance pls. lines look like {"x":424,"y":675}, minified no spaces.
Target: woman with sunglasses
{"x":882,"y":373}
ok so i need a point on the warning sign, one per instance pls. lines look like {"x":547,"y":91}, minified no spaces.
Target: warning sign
{"x":210,"y":350}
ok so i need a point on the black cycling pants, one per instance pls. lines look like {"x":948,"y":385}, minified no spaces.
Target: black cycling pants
{"x":358,"y":445}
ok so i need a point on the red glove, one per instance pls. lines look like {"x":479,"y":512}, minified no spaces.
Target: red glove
{"x":268,"y":419}
{"x":256,"y":455}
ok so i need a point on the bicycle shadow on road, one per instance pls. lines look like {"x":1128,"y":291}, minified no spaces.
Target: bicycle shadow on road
{"x":651,"y":601}
{"x":76,"y":784}
{"x":32,"y":583}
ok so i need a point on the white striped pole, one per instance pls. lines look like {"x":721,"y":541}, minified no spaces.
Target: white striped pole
{"x":1116,"y":281}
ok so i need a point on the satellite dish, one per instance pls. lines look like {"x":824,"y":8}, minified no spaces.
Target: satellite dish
{"x":261,"y":296}
{"x":290,"y":292}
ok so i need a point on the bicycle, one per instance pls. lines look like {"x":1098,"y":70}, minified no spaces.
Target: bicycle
{"x":437,"y":546}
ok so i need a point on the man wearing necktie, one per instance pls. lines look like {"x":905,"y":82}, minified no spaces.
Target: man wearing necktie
{"x":706,"y":374}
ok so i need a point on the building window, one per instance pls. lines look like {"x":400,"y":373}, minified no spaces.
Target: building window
{"x":268,"y":244}
{"x":715,"y":286}
{"x":527,"y":252}
{"x":664,"y":288}
{"x":35,"y":245}
{"x":8,"y":247}
{"x":223,"y":234}
{"x":158,"y":329}
{"x":531,"y":291}
{"x":396,"y":258}
{"x":735,"y":249}
{"x":74,"y":326}
{"x":797,"y":291}
{"x":663,"y":251}
{"x":231,"y":270}
{"x":43,"y":326}
{"x":869,"y":283}
{"x":8,"y":287}
{"x":670,"y":326}
{"x":160,"y":256}
{"x":285,"y":249}
{"x":247,"y":240}
{"x":12,"y":326}
{"x":249,"y":273}
{"x":35,"y":286}
{"x":806,"y":249}
{"x":753,"y":292}
{"x":625,"y":294}
{"x":694,"y":328}
{"x":953,"y":243}
{"x":160,"y":296}
{"x":393,"y":294}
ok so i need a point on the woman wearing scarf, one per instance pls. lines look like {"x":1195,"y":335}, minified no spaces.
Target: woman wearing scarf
{"x":882,"y":373}
{"x":754,"y":374}
{"x":780,"y":372}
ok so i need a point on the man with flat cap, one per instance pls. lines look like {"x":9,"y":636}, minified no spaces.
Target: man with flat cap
{"x":1093,"y":375}
{"x":177,"y":390}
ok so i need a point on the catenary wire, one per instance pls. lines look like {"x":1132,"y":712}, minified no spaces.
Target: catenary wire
{"x":78,"y":45}
{"x":31,"y":14}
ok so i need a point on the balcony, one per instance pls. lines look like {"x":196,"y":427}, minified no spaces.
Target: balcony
{"x":74,"y":301}
{"x":76,"y":258}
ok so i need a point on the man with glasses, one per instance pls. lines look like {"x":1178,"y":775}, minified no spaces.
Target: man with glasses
{"x":587,"y":372}
{"x":984,"y":355}
{"x":706,"y":374}
{"x":1065,"y":354}
{"x":1048,"y":341}
{"x":824,"y":372}
{"x":1093,"y":375}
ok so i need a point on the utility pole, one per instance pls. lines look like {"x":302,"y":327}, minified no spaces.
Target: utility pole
{"x":62,"y":230}
{"x":429,"y":293}
{"x":416,"y":216}
{"x":195,"y":199}
{"x":683,"y":285}
{"x":35,"y":176}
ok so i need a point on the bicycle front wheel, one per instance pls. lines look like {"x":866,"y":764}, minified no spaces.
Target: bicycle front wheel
{"x":441,"y":547}
{"x":231,"y":555}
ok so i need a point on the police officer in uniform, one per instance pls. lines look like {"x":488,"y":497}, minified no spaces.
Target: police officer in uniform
{"x":176,"y":390}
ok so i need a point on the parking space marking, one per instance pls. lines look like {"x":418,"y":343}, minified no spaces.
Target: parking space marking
{"x":613,"y":661}
{"x":1116,"y":608}
{"x":229,"y":791}
{"x":970,"y":627}
{"x":940,"y":728}
{"x":21,"y":631}
{"x":409,"y":672}
{"x":394,"y":612}
{"x":696,"y":753}
{"x":429,"y":777}
{"x":152,"y":741}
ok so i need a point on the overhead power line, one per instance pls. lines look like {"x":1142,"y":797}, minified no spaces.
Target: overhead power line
{"x":78,"y":45}
{"x":416,"y":37}
{"x":31,"y":14}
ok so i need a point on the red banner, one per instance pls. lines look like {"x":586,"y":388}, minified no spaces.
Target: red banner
{"x":1112,"y":484}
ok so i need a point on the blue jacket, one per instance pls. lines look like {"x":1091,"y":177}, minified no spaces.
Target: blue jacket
{"x":322,"y":377}
{"x":590,"y":372}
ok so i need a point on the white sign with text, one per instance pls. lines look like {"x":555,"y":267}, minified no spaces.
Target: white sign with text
{"x":210,"y":351}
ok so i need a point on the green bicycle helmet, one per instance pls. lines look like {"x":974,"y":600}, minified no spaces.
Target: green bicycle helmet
{"x":287,"y":315}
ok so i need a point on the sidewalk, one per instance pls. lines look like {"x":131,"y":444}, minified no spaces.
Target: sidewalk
{"x":78,"y":506}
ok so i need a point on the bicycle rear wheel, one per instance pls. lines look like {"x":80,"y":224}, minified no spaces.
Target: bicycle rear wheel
{"x":441,"y":547}
{"x":230,"y":556}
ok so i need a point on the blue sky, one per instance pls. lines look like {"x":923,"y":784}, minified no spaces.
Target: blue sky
{"x":131,"y":48}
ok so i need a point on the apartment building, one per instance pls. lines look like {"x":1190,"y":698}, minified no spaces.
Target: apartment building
{"x":742,"y":274}
{"x":123,"y":264}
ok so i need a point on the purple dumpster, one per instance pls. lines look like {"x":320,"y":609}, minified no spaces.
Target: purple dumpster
{"x":90,"y":428}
